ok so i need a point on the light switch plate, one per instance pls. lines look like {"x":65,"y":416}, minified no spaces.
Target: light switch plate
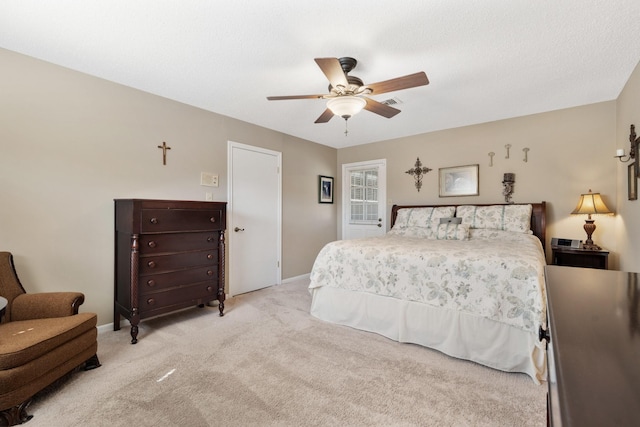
{"x":208,"y":179}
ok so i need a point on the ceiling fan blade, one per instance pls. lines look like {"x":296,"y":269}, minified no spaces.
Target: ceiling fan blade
{"x":380,"y":108}
{"x":333,"y":70}
{"x":406,"y":82}
{"x":325,"y":117}
{"x":280,"y":98}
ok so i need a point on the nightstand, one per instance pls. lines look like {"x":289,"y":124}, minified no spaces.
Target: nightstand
{"x":572,"y":257}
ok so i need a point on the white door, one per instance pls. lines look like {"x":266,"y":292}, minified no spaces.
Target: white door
{"x":364,"y":189}
{"x":254,"y":225}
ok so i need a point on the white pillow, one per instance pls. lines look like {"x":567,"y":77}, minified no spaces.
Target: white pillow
{"x":422,"y":217}
{"x":497,"y":217}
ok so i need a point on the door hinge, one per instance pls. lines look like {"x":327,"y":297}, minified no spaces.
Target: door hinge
{"x":278,"y":264}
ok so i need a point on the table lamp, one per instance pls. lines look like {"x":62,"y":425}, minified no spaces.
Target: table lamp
{"x":590,"y":204}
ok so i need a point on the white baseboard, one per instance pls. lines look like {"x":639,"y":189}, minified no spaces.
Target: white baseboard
{"x":296,"y":278}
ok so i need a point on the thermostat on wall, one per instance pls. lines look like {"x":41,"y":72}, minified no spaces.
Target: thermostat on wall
{"x":567,"y":243}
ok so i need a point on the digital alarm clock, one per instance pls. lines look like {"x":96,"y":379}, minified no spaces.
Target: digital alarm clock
{"x":566,"y":243}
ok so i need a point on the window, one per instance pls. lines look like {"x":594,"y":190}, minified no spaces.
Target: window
{"x":364,"y":196}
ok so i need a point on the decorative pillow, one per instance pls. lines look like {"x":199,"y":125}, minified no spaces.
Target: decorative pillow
{"x":498,"y":217}
{"x":435,"y":231}
{"x":422,"y":217}
{"x":450,"y":231}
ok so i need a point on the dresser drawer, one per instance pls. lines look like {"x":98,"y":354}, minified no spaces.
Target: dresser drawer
{"x":167,"y":220}
{"x":203,"y":292}
{"x":151,"y":244}
{"x":155,"y":282}
{"x":155,"y":264}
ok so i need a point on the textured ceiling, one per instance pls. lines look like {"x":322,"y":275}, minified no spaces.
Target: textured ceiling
{"x":486,"y":59}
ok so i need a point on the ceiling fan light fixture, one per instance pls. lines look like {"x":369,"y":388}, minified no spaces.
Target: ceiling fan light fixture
{"x":346,"y":106}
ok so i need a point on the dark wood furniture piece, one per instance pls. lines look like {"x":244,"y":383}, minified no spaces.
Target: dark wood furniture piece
{"x":587,"y":258}
{"x":169,"y":255}
{"x":594,"y":350}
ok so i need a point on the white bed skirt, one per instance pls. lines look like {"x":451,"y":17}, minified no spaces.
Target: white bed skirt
{"x":456,"y":334}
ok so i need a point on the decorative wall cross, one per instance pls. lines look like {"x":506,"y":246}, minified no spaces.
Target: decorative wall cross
{"x":164,"y":152}
{"x":417,"y":173}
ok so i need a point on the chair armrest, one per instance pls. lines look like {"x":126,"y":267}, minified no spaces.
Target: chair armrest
{"x":45,"y":305}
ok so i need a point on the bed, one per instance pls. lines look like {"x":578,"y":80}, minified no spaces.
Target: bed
{"x":467,"y":280}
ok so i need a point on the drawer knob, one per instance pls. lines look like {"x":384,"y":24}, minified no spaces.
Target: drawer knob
{"x":209,"y":256}
{"x":209,"y":273}
{"x":151,"y":283}
{"x":151,"y":301}
{"x":151,"y":264}
{"x":212,"y":219}
{"x":154,"y":220}
{"x":152,"y":244}
{"x":209,"y":289}
{"x":210,"y":239}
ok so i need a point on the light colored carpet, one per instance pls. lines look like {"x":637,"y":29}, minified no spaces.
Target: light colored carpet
{"x":267,"y":362}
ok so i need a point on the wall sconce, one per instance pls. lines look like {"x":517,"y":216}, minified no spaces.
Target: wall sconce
{"x":634,"y":168}
{"x":591,"y":204}
{"x":632,"y":151}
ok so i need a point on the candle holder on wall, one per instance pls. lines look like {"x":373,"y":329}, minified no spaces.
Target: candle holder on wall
{"x":417,"y":172}
{"x":633,"y":168}
{"x":508,"y":182}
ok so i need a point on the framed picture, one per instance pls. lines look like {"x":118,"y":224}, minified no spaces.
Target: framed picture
{"x":632,"y":181}
{"x":325,"y":189}
{"x":458,"y":181}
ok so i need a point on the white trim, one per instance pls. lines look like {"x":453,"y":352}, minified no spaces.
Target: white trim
{"x":296,"y":278}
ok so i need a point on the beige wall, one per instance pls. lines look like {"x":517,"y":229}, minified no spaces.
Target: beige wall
{"x":628,"y":231}
{"x":571,"y":151}
{"x":71,"y":143}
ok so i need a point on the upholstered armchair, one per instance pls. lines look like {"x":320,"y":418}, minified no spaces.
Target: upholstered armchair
{"x":42,"y":338}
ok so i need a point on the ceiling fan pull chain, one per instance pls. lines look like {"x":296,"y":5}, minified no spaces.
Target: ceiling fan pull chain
{"x":346,"y":128}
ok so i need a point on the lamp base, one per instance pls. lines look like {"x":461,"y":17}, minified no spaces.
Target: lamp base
{"x":591,"y":247}
{"x":590,"y":227}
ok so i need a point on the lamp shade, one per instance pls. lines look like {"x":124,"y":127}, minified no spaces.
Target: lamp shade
{"x":590,"y":204}
{"x":346,"y":106}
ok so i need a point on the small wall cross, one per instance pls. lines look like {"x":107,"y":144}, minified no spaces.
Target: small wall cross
{"x":164,"y":152}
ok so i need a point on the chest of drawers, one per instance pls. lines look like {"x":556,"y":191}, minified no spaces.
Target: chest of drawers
{"x":169,"y":255}
{"x":594,"y":347}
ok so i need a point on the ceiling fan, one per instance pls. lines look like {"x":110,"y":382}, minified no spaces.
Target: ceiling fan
{"x":347,"y":94}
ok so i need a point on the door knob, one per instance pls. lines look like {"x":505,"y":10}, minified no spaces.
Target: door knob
{"x":238,"y":229}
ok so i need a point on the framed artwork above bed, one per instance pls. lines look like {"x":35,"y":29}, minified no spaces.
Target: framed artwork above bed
{"x":458,"y":181}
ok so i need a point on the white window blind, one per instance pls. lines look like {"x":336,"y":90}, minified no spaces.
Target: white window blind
{"x":364,"y":196}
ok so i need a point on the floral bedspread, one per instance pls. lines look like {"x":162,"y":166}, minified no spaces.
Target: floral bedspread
{"x":495,"y":274}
